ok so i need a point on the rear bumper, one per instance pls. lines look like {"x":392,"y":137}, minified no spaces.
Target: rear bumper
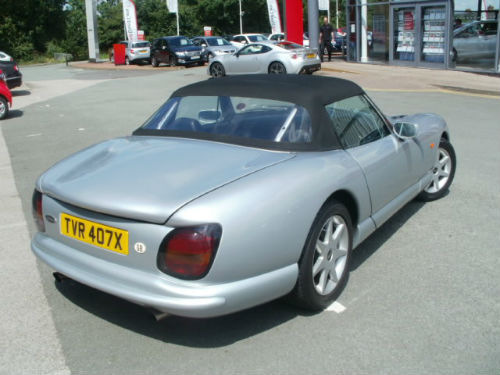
{"x":190,"y":299}
{"x":15,"y":81}
{"x":311,"y":68}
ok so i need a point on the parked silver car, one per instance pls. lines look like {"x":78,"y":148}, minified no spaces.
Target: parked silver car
{"x":137,"y":52}
{"x":213,"y":46}
{"x":238,"y":191}
{"x":266,"y":57}
{"x":475,"y":41}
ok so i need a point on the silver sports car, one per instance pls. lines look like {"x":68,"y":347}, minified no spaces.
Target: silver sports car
{"x":238,"y":191}
{"x":266,"y":57}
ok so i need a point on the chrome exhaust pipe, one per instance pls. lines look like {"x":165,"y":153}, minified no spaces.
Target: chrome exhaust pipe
{"x":159,"y":315}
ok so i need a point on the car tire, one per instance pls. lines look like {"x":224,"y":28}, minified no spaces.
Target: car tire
{"x":217,"y":70}
{"x":4,"y":108}
{"x":154,"y":62}
{"x":201,"y":63}
{"x":172,"y":61}
{"x":127,"y":61}
{"x":443,"y":173}
{"x":454,"y":55}
{"x":324,"y":264}
{"x":277,"y":68}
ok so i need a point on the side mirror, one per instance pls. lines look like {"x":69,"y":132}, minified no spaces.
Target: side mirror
{"x":203,"y":45}
{"x":405,"y":130}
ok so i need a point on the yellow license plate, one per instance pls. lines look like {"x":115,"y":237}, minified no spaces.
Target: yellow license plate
{"x":311,"y":56}
{"x":143,"y":51}
{"x":96,"y":234}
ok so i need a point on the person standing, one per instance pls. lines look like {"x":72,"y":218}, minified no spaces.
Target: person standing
{"x":326,"y":38}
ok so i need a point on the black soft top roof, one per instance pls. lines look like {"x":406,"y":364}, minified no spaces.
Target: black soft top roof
{"x":310,"y":92}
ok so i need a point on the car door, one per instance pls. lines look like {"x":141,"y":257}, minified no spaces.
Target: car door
{"x":392,"y":167}
{"x":246,"y":60}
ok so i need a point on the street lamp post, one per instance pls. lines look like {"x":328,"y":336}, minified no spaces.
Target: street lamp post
{"x":241,"y":20}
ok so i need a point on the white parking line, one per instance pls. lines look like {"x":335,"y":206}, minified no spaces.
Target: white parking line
{"x":336,"y":307}
{"x":34,"y":135}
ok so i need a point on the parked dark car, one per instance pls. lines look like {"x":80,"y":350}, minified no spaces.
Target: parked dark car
{"x":175,"y":50}
{"x":13,"y":76}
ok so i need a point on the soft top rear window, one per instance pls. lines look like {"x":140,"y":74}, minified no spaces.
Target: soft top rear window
{"x":234,"y":117}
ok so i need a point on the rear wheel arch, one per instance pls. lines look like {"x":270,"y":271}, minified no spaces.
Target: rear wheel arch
{"x":446,"y":136}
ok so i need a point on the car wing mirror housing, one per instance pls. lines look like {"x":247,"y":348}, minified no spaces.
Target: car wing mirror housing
{"x":405,"y":130}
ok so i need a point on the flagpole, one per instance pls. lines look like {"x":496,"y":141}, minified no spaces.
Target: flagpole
{"x":177,"y":16}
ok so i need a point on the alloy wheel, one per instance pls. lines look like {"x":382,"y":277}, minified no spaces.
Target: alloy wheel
{"x":440,"y":172}
{"x":277,"y":68}
{"x":329,"y":262}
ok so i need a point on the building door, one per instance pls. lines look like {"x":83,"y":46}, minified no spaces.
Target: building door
{"x":419,"y":35}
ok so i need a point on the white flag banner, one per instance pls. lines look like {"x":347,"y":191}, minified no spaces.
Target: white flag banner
{"x":324,"y":5}
{"x":130,"y":18}
{"x":172,"y":6}
{"x":274,"y":16}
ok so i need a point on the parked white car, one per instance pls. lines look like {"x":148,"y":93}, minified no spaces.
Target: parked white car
{"x":266,"y":57}
{"x":242,"y":39}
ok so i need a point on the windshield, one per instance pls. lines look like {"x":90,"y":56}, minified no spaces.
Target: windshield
{"x":218,"y":42}
{"x":230,"y":116}
{"x":180,"y":42}
{"x":257,"y":38}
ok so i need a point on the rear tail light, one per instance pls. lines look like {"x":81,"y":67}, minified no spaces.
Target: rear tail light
{"x":16,"y":68}
{"x":132,"y":51}
{"x":38,"y":210}
{"x":2,"y":76}
{"x":294,"y":56}
{"x":188,"y":253}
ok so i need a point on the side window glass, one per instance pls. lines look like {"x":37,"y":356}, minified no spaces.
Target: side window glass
{"x":246,"y":50}
{"x":356,"y":122}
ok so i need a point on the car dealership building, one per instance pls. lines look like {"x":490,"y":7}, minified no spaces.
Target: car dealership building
{"x":445,"y":34}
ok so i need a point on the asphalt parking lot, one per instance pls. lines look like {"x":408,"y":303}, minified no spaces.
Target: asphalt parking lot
{"x":423,"y":294}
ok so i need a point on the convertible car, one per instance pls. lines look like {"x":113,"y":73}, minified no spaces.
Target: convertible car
{"x":238,"y":191}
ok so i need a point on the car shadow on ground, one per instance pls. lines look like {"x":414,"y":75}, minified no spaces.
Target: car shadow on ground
{"x":201,"y":333}
{"x":14,"y":113}
{"x":20,"y":92}
{"x":220,"y":331}
{"x":377,"y":239}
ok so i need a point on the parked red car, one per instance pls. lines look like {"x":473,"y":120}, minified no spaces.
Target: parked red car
{"x":5,"y":97}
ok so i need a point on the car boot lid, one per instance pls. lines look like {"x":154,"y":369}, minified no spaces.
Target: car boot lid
{"x":149,"y":178}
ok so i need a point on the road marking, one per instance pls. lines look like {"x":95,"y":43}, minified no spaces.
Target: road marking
{"x":336,"y":307}
{"x":34,"y":135}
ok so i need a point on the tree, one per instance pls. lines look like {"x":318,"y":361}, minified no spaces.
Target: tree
{"x":27,"y":25}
